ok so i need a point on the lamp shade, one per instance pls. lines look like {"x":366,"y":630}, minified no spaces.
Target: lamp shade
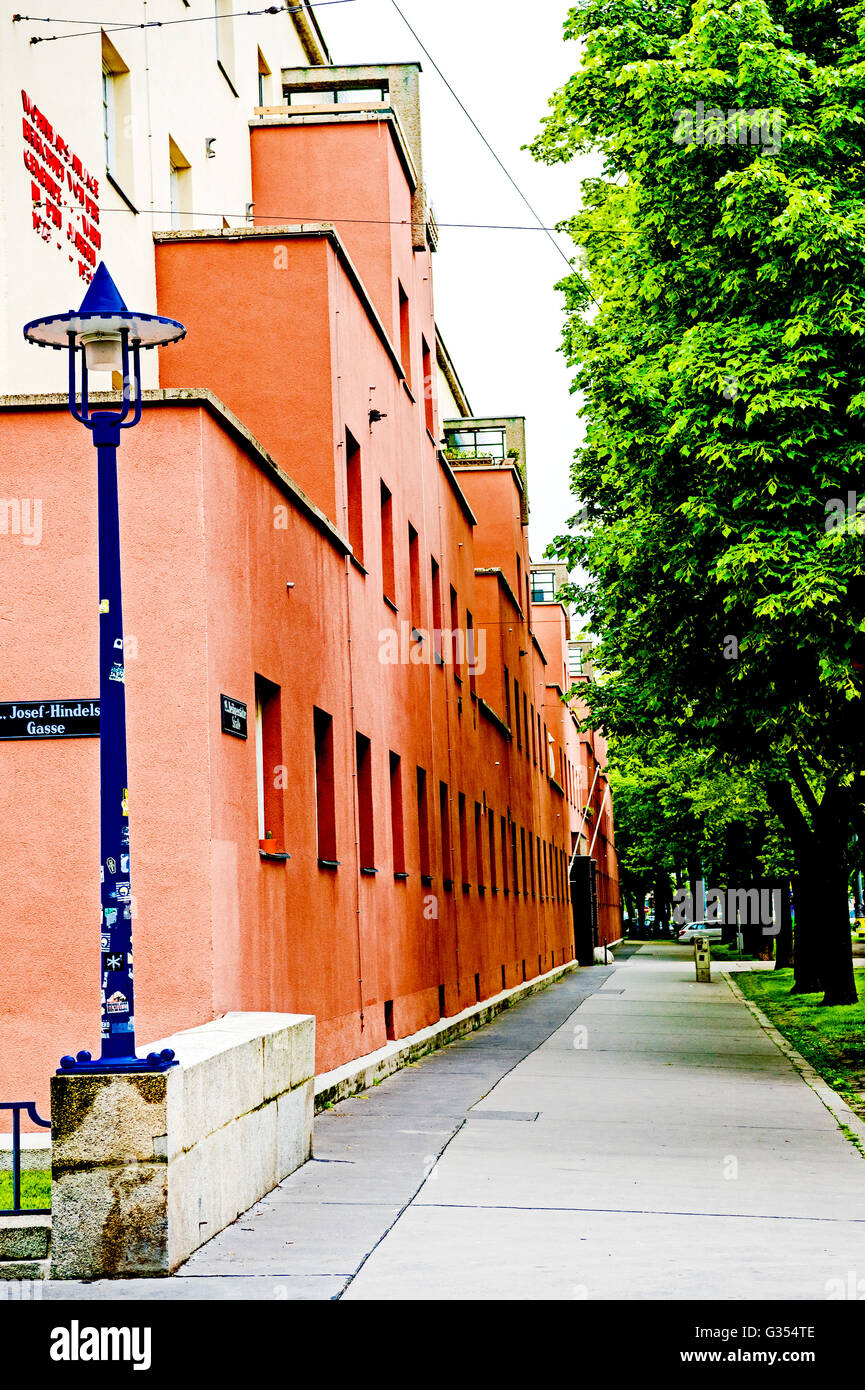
{"x":102,"y":312}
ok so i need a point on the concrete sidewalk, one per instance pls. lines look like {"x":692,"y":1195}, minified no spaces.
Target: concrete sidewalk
{"x":677,"y":1154}
{"x":628,"y":1134}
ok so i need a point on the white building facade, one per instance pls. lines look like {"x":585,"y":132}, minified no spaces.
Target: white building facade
{"x":111,"y":132}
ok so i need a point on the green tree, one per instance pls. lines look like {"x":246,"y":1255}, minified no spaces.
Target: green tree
{"x":716,"y":322}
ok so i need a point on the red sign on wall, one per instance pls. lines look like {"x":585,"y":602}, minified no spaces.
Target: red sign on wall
{"x":64,"y":195}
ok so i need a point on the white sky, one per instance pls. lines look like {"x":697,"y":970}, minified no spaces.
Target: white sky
{"x":495,"y":302}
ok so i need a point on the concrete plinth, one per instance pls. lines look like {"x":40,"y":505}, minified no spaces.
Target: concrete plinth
{"x":147,"y":1167}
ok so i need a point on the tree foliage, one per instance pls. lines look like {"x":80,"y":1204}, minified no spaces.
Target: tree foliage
{"x":715,"y":324}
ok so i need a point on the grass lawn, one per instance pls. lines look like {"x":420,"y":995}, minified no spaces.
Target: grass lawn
{"x":35,"y":1190}
{"x":832,"y":1040}
{"x":720,"y":952}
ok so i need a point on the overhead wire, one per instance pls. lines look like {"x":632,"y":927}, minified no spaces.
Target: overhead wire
{"x":162,"y":23}
{"x":470,"y":118}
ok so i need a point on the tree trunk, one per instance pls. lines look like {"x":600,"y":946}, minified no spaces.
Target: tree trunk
{"x":806,"y":937}
{"x":663,"y":904}
{"x":837,"y":953}
{"x":641,"y":912}
{"x":784,"y":938}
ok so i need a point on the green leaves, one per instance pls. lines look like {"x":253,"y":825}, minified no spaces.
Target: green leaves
{"x":715,"y":331}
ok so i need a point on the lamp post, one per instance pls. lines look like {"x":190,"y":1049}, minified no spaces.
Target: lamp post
{"x":106,"y":334}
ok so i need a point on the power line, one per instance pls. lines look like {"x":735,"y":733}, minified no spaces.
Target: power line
{"x":477,"y":128}
{"x":285,"y":219}
{"x":163,"y":23}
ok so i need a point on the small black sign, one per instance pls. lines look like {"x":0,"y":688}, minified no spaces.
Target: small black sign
{"x":35,"y":719}
{"x":234,"y":716}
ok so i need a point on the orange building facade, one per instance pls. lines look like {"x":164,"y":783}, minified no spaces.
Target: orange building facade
{"x":390,"y":840}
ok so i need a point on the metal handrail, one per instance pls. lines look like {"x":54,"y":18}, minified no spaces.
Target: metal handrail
{"x":16,"y":1106}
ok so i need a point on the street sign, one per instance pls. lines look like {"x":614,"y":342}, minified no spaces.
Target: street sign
{"x":234,"y":716}
{"x":36,"y":719}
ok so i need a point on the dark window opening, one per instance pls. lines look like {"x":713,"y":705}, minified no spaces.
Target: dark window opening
{"x":436,"y":612}
{"x":445,"y":819}
{"x":423,"y":823}
{"x":366,"y":815}
{"x":388,"y":576}
{"x":354,"y":489}
{"x":397,"y":824}
{"x":414,"y":576}
{"x":479,"y":847}
{"x":269,"y":760}
{"x":325,"y":791}
{"x":404,"y":333}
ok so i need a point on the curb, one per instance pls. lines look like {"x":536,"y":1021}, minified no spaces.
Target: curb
{"x":834,"y":1103}
{"x":363,"y":1072}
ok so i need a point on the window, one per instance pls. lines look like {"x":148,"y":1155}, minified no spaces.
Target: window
{"x":575,"y":661}
{"x":456,"y":637}
{"x":224,"y":26}
{"x":180,"y":186}
{"x":388,"y":578}
{"x":519,"y":579}
{"x":479,"y":846}
{"x":471,"y":655}
{"x":514,"y":864}
{"x":436,"y":612}
{"x":109,"y":129}
{"x":507,"y":697}
{"x":491,"y":837}
{"x":543,"y":586}
{"x":414,"y":576}
{"x":483,"y":442}
{"x":526,"y":721}
{"x":404,"y":332}
{"x":263,"y":80}
{"x":309,"y":96}
{"x":117,"y":117}
{"x":517,"y":712}
{"x":525,"y":876}
{"x":397,"y":826}
{"x":423,"y":824}
{"x":445,"y":822}
{"x":269,"y":765}
{"x":504,"y":837}
{"x":354,"y":495}
{"x":534,"y":743}
{"x":464,"y":842}
{"x":325,"y":791}
{"x":365,"y":814}
{"x":532,"y":861}
{"x":428,"y":386}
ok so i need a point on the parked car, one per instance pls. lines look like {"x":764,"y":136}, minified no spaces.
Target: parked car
{"x":710,"y":930}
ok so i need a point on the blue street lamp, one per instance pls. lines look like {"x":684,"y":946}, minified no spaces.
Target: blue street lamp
{"x":106,"y":332}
